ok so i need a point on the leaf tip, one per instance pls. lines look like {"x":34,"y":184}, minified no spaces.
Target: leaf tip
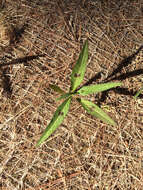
{"x":114,"y":123}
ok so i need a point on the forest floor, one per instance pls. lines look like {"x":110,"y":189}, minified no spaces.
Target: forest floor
{"x":40,"y":42}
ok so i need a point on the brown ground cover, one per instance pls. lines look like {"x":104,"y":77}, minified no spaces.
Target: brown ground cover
{"x":40,"y":41}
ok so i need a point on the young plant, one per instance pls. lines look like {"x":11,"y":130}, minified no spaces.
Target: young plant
{"x":77,"y":77}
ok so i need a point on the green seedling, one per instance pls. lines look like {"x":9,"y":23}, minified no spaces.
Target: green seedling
{"x":138,"y":93}
{"x":77,"y":77}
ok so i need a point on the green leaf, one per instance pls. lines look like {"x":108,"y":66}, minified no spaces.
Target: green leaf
{"x":94,"y":110}
{"x":79,"y":68}
{"x":138,"y":93}
{"x":66,"y":95}
{"x":85,"y":90}
{"x":57,"y":88}
{"x":57,"y":119}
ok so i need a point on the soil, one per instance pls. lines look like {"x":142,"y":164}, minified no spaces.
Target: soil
{"x":40,"y":41}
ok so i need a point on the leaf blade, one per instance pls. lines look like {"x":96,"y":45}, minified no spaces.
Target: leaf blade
{"x":94,"y":110}
{"x":66,"y":95}
{"x":138,"y":93}
{"x":56,"y":88}
{"x":85,"y":90}
{"x":57,"y":119}
{"x":79,"y":68}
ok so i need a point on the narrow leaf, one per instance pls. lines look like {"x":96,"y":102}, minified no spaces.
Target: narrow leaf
{"x":79,"y":68}
{"x":66,"y":95}
{"x":56,"y":88}
{"x":94,"y":110}
{"x":138,"y":93}
{"x":85,"y":90}
{"x":57,"y":119}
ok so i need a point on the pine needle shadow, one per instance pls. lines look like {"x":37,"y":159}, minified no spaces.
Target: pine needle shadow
{"x":119,"y":90}
{"x":125,"y":91}
{"x":6,"y":82}
{"x":23,"y":60}
{"x":93,"y":79}
{"x":124,"y":63}
{"x":128,"y":75}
